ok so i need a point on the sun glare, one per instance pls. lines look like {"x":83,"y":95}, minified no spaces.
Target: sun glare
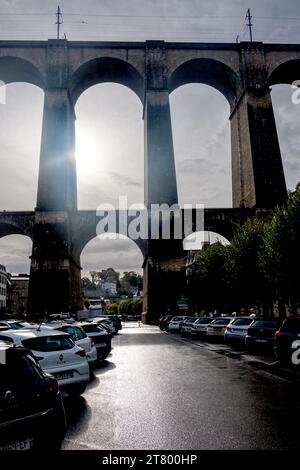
{"x":87,"y":153}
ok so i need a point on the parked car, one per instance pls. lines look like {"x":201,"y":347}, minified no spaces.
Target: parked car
{"x":107,"y":324}
{"x":216,"y":328}
{"x":199,"y":327}
{"x":101,"y":338}
{"x":186,"y":326}
{"x":14,"y":324}
{"x":79,"y":337}
{"x":164,"y":321}
{"x":236,"y":330}
{"x":57,"y":354}
{"x":32,"y":414}
{"x":261,"y":333}
{"x":285,"y":336}
{"x":116,"y":321}
{"x":175,"y":324}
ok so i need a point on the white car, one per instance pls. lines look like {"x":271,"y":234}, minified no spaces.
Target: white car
{"x":175,"y":323}
{"x":217,"y":327}
{"x":57,"y":354}
{"x":14,"y":324}
{"x":237,"y":329}
{"x":199,"y":328}
{"x":79,"y":337}
{"x":186,"y":327}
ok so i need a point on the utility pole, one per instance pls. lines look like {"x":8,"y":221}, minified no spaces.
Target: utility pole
{"x":58,"y":21}
{"x":249,"y":24}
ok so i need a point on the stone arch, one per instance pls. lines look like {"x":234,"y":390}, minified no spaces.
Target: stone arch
{"x":285,"y":72}
{"x":14,"y":69}
{"x":106,"y":69}
{"x":16,"y":224}
{"x":208,"y":72}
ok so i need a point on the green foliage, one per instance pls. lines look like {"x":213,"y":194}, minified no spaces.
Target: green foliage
{"x":112,"y":309}
{"x":259,"y":267}
{"x":131,"y":307}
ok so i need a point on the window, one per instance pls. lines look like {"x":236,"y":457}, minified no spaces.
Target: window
{"x":49,"y":343}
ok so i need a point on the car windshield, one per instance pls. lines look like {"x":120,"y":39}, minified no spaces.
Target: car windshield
{"x":265,"y":324}
{"x":242,"y":321}
{"x":49,"y":343}
{"x":221,"y":321}
{"x":291,"y":325}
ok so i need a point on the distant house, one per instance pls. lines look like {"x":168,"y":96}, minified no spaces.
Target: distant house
{"x":3,"y":287}
{"x":17,"y":298}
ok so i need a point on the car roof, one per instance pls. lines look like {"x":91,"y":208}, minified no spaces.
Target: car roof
{"x":32,"y":333}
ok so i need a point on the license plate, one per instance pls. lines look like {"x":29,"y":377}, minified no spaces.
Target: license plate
{"x":261,"y":340}
{"x":64,"y":375}
{"x":100,"y":345}
{"x":25,"y":444}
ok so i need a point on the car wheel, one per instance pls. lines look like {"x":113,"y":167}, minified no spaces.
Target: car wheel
{"x":76,"y":389}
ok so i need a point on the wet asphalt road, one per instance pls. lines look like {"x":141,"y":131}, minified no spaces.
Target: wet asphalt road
{"x":156,"y":391}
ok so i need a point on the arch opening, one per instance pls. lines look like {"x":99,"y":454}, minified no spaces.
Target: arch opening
{"x":286,"y":105}
{"x":109,"y":146}
{"x":106,"y":69}
{"x":15,"y":69}
{"x":208,"y":72}
{"x":200,"y":116}
{"x":15,"y":252}
{"x":20,"y":136}
{"x":114,"y":253}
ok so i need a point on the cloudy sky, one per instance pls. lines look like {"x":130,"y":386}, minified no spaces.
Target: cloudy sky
{"x":109,"y":127}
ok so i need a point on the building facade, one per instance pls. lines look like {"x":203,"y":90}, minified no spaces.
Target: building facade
{"x":18,"y":294}
{"x":3,"y":287}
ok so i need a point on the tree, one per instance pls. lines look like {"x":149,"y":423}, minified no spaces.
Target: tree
{"x":207,"y":286}
{"x":86,"y":283}
{"x":280,"y":256}
{"x":244,"y":277}
{"x":112,"y":309}
{"x":130,"y":282}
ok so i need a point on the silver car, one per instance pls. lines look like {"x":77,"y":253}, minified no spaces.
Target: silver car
{"x":236,"y":331}
{"x":199,"y":328}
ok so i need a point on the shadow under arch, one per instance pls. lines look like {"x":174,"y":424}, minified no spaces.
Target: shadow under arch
{"x":106,"y":69}
{"x":7,"y":229}
{"x":14,"y":69}
{"x":208,"y":72}
{"x":285,"y":73}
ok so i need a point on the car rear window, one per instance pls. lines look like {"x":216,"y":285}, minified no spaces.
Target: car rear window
{"x":92,"y":328}
{"x":75,"y":332}
{"x":291,"y":325}
{"x":242,"y":321}
{"x":49,"y":343}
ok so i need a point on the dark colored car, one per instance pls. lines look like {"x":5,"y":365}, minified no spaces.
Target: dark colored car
{"x":163,"y":322}
{"x":101,"y":338}
{"x":32,"y":414}
{"x":285,"y":338}
{"x":261,"y":333}
{"x":116,"y":321}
